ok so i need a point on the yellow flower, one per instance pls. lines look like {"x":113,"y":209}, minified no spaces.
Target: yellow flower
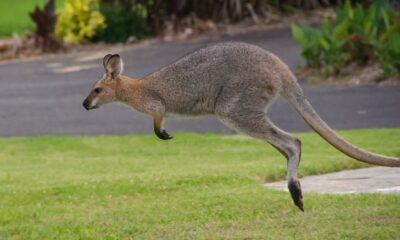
{"x":78,"y":21}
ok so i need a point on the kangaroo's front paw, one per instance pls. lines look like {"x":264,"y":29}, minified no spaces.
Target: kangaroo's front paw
{"x":163,"y":135}
{"x":295,"y":191}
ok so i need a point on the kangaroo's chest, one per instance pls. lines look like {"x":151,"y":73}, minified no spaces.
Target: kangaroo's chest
{"x":191,"y":104}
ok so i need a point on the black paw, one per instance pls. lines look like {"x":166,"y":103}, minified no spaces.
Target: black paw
{"x":295,"y":191}
{"x":163,"y":135}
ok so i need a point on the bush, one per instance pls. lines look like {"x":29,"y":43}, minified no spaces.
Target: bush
{"x":79,"y":21}
{"x":389,"y":54}
{"x":358,"y":34}
{"x":124,"y":21}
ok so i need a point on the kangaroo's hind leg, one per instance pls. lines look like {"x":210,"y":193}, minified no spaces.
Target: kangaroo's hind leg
{"x":256,"y":124}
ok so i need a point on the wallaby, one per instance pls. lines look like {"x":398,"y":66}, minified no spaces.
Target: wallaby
{"x":237,"y":82}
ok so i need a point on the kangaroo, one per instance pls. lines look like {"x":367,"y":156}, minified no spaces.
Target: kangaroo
{"x":236,"y":82}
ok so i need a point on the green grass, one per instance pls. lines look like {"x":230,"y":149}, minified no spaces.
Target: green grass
{"x":193,"y":187}
{"x":14,"y":15}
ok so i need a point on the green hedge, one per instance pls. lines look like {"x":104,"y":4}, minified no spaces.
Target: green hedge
{"x":123,"y":22}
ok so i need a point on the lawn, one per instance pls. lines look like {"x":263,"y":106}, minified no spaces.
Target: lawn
{"x":196,"y":186}
{"x":14,"y":17}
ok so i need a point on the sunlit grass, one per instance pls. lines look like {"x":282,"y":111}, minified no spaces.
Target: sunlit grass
{"x":14,"y":15}
{"x":196,"y":186}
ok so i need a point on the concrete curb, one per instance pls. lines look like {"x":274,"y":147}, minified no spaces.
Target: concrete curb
{"x":367,"y":180}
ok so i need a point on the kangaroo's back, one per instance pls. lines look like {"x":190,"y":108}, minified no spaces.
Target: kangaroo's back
{"x":195,"y":81}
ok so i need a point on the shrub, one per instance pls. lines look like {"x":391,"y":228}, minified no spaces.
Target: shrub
{"x":358,"y":34}
{"x":124,"y":21}
{"x":79,"y":21}
{"x":389,"y":54}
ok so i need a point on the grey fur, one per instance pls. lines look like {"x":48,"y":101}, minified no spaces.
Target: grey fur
{"x":217,"y":78}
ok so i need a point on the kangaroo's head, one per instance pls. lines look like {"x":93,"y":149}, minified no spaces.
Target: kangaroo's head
{"x":104,"y":90}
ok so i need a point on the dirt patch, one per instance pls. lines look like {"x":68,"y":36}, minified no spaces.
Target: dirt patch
{"x":351,"y":75}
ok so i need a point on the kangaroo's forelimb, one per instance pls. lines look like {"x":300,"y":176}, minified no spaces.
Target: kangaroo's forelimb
{"x":159,"y":128}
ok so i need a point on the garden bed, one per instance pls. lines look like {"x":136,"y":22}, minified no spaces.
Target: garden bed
{"x":359,"y":46}
{"x":23,"y":47}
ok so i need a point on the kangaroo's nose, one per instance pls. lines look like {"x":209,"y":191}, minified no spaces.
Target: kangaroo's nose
{"x":85,"y":104}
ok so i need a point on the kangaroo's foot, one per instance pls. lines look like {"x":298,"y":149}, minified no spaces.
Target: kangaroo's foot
{"x":163,"y":135}
{"x":295,"y":191}
{"x":159,"y":127}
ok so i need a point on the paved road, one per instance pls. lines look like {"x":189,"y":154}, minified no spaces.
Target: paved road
{"x":44,"y":96}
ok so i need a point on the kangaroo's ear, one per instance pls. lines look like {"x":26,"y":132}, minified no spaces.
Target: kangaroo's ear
{"x":105,"y":60}
{"x":113,"y":65}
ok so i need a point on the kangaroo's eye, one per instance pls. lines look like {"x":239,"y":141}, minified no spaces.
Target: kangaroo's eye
{"x":97,"y":90}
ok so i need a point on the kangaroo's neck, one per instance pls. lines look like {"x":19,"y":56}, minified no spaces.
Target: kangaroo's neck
{"x":137,"y":93}
{"x":128,"y":90}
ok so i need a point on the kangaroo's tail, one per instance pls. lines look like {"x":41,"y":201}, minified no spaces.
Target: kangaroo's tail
{"x":294,"y":95}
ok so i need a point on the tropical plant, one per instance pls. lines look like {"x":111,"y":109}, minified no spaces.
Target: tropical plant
{"x":389,"y":54}
{"x":358,"y":34}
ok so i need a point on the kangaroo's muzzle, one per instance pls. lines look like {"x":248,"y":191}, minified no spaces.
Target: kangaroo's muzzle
{"x":87,"y":105}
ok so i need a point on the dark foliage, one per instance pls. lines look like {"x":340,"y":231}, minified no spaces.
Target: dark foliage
{"x":140,"y":18}
{"x":45,"y":20}
{"x":124,"y":19}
